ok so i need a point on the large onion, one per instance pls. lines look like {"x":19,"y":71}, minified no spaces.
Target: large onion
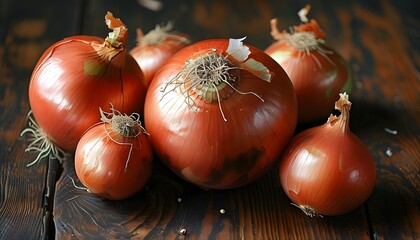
{"x":219,"y":113}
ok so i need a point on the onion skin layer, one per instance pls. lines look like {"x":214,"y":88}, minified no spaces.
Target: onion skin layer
{"x":100,"y":162}
{"x":327,"y":170}
{"x":204,"y":149}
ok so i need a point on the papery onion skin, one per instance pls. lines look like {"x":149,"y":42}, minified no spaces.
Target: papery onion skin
{"x":203,"y":148}
{"x":72,"y":80}
{"x":152,"y":55}
{"x":318,"y":76}
{"x":327,"y":170}
{"x":100,"y":162}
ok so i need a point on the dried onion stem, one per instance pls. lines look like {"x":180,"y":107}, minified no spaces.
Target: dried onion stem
{"x":304,"y":41}
{"x":158,"y":35}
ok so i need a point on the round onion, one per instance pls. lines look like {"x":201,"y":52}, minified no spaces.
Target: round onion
{"x":219,"y":113}
{"x":114,"y":158}
{"x":318,"y":72}
{"x":328,"y":170}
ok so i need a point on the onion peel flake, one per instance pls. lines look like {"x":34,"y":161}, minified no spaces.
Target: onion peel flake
{"x":240,"y":53}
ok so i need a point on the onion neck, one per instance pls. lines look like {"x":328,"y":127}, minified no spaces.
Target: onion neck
{"x":302,"y":40}
{"x":305,"y":37}
{"x":342,"y":121}
{"x":116,"y":40}
{"x":154,"y":37}
{"x":158,"y":35}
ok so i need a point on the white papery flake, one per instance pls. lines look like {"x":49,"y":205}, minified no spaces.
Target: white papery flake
{"x":240,"y":52}
{"x":237,"y":49}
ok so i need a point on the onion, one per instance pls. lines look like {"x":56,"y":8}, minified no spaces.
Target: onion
{"x":318,"y":72}
{"x":114,"y":158}
{"x":155,"y":48}
{"x":327,"y":170}
{"x":76,"y":76}
{"x":219,"y":113}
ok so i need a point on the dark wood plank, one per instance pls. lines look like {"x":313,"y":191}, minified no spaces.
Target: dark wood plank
{"x":167,"y":205}
{"x":27,"y":29}
{"x":389,"y":100}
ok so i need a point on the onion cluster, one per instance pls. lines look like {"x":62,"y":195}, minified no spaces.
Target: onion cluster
{"x":219,"y":113}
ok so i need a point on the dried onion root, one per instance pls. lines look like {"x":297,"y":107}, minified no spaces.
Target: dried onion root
{"x":213,"y":75}
{"x":127,"y":126}
{"x":41,"y":143}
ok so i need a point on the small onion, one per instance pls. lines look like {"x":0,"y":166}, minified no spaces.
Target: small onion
{"x":318,"y":72}
{"x":328,"y":170}
{"x":113,"y":159}
{"x":76,"y":76}
{"x":155,"y":48}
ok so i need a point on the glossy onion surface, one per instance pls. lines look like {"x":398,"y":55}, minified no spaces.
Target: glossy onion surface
{"x":113,"y":166}
{"x":317,"y":77}
{"x":199,"y":145}
{"x":318,"y":72}
{"x":328,"y":170}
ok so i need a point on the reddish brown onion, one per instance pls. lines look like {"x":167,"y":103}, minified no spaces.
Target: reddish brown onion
{"x":219,"y":113}
{"x":318,"y":72}
{"x":114,"y":158}
{"x":328,"y":170}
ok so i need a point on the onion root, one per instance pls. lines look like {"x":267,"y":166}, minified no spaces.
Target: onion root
{"x":210,"y":76}
{"x":127,"y":126}
{"x":41,"y":143}
{"x":308,"y":210}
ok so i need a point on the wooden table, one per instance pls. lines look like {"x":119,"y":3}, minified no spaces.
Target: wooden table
{"x":380,"y":39}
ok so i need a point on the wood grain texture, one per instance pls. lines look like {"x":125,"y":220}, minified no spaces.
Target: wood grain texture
{"x":27,"y":29}
{"x":388,"y":98}
{"x":381,"y":41}
{"x":167,"y":205}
